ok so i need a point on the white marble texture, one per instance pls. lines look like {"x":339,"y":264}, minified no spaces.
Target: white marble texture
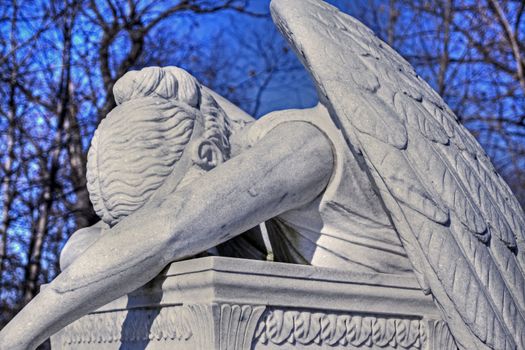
{"x":377,"y":183}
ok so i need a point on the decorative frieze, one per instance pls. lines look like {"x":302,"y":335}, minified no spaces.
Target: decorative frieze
{"x":338,"y":330}
{"x":240,"y":326}
{"x":195,"y":324}
{"x":143,"y":324}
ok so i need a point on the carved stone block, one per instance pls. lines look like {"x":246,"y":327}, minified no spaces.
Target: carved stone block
{"x":225,"y":303}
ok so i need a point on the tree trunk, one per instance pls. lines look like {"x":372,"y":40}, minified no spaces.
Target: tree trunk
{"x":82,"y":209}
{"x":34,"y":265}
{"x":7,"y":183}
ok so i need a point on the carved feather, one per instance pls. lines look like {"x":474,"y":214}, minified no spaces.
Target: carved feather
{"x":463,"y":229}
{"x":400,"y":172}
{"x":415,"y":115}
{"x":446,"y":184}
{"x":389,"y":129}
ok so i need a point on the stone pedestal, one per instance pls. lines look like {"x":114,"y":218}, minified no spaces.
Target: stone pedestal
{"x":225,"y":303}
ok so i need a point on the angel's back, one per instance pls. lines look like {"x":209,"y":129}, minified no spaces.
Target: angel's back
{"x":345,"y":227}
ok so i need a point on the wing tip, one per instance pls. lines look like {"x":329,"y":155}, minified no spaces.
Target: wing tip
{"x":293,"y":8}
{"x":282,"y":6}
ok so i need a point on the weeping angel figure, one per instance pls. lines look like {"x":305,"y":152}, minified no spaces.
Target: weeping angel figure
{"x":380,"y":177}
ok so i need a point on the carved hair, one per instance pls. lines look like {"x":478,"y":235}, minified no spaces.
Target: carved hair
{"x":137,"y":145}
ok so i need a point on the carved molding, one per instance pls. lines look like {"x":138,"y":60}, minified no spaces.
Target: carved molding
{"x":173,"y":323}
{"x":237,"y":326}
{"x":331,"y":329}
{"x":211,"y":326}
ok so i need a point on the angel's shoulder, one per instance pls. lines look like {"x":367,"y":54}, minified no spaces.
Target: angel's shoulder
{"x":279,"y":122}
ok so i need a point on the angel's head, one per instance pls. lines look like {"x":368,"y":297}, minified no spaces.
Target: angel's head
{"x":164,"y":125}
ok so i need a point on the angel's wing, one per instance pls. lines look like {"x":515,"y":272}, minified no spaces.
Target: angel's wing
{"x":462,"y":227}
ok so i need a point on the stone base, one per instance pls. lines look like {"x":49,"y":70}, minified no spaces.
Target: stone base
{"x":234,"y":304}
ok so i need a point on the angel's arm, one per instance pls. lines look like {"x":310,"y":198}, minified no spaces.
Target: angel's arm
{"x":288,"y":168}
{"x":79,"y":242}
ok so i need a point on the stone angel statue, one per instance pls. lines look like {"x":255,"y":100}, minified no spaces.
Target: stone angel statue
{"x":380,"y":177}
